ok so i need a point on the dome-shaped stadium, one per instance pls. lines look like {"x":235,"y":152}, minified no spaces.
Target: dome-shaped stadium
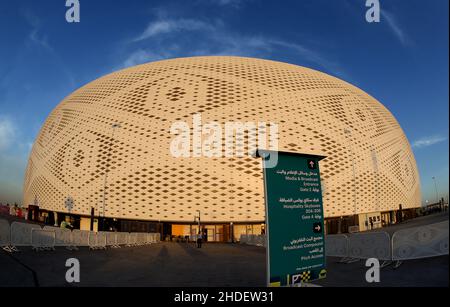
{"x":107,"y":145}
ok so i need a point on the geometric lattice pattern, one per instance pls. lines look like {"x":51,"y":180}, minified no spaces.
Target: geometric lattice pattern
{"x":369,"y":166}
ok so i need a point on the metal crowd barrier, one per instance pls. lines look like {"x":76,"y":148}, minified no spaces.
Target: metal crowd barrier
{"x":111,"y":240}
{"x":97,"y":240}
{"x":140,"y":239}
{"x":80,"y":237}
{"x":152,"y":238}
{"x":63,"y":237}
{"x":370,"y":245}
{"x":5,"y":236}
{"x":132,"y":239}
{"x":121,"y":238}
{"x":420,"y":242}
{"x":21,"y":234}
{"x":243,"y":239}
{"x":257,"y":240}
{"x":47,"y":238}
{"x":336,"y":245}
{"x":42,"y":239}
{"x":406,"y":244}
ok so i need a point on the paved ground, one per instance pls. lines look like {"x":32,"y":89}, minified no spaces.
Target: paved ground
{"x":182,"y":264}
{"x":162,"y":264}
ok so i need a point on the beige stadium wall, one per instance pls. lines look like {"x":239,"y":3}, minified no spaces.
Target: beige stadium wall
{"x":316,"y":114}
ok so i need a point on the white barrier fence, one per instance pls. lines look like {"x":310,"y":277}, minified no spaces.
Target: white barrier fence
{"x":370,"y":245}
{"x":336,"y":245}
{"x":132,"y":239}
{"x":411,"y":243}
{"x":63,"y":237}
{"x":97,"y":240}
{"x":258,"y":240}
{"x":5,"y":235}
{"x":122,"y":238}
{"x":421,"y":242}
{"x":80,"y":237}
{"x":42,"y":239}
{"x":111,"y":239}
{"x":47,"y":238}
{"x":21,"y":233}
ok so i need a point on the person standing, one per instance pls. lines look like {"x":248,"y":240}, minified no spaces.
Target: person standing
{"x":199,"y":239}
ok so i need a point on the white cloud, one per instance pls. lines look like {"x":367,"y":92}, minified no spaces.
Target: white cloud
{"x":428,"y":141}
{"x":395,"y":27}
{"x":39,"y":40}
{"x":7,"y":133}
{"x":14,"y":151}
{"x":170,"y":25}
{"x":141,"y":56}
{"x":11,"y":140}
{"x":310,"y":55}
{"x":214,"y":38}
{"x":35,"y":36}
{"x":234,"y":3}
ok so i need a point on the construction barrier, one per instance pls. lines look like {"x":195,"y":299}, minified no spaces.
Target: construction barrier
{"x":336,"y":245}
{"x":80,"y":237}
{"x":21,"y":233}
{"x":370,"y":245}
{"x":42,"y":239}
{"x":63,"y":236}
{"x":421,"y":242}
{"x":5,"y":234}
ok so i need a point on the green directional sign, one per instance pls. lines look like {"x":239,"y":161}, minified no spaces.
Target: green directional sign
{"x":294,"y":217}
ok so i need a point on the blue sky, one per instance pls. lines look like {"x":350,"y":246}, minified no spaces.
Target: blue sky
{"x":402,"y":61}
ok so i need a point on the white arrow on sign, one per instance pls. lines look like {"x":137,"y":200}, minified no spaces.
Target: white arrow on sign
{"x":317,"y":228}
{"x":311,"y":163}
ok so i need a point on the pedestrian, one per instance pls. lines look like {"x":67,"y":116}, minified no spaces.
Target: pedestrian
{"x":371,"y":223}
{"x":199,"y":240}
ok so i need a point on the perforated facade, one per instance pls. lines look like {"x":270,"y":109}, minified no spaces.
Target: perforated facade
{"x":369,"y":166}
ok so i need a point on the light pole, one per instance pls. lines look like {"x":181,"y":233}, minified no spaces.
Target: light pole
{"x":114,"y":127}
{"x":435,"y":188}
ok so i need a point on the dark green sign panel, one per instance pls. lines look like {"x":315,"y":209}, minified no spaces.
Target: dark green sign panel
{"x":294,"y":216}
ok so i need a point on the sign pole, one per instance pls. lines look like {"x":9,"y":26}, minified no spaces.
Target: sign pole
{"x":267,"y":226}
